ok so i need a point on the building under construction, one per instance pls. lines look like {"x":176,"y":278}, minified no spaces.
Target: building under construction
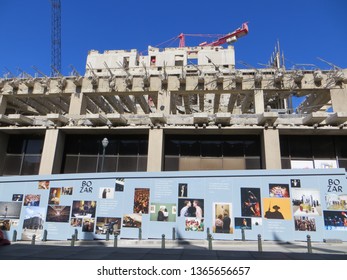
{"x":174,"y":109}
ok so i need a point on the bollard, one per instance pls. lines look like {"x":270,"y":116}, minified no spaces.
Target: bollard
{"x":210,"y":241}
{"x":33,"y":239}
{"x":76,"y":234}
{"x":260,"y":245}
{"x":163,"y":241}
{"x":243,"y":234}
{"x":115,"y":241}
{"x":44,"y":238}
{"x":14,"y":236}
{"x":173,"y":233}
{"x":73,"y":237}
{"x":140,"y":233}
{"x":107,"y":235}
{"x":309,"y":245}
{"x":207,"y":233}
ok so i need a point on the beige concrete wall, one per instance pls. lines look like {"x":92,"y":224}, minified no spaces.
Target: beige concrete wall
{"x":52,"y":153}
{"x":259,"y":101}
{"x":155,"y":150}
{"x":78,"y":104}
{"x":271,"y":150}
{"x":339,"y":99}
{"x":3,"y":104}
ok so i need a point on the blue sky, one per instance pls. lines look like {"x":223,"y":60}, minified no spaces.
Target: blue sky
{"x":306,"y":29}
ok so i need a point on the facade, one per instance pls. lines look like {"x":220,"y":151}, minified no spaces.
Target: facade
{"x":172,"y":110}
{"x":177,"y":109}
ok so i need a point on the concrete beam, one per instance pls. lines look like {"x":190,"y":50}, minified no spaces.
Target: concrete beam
{"x":223,"y":118}
{"x":96,"y":119}
{"x":115,"y":103}
{"x":58,"y":119}
{"x":200,"y":118}
{"x":216,"y":103}
{"x":157,"y":118}
{"x":116,"y":119}
{"x":143,"y":103}
{"x":78,"y":104}
{"x":314,"y":118}
{"x":339,"y":99}
{"x":5,"y":119}
{"x":336,"y":118}
{"x":20,"y":119}
{"x":258,"y":101}
{"x":268,"y":118}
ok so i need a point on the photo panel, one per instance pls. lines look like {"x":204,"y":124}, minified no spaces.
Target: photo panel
{"x":306,"y":202}
{"x":33,"y":222}
{"x":58,"y":214}
{"x":304,"y":223}
{"x":335,"y":220}
{"x":108,"y":224}
{"x":222,"y":222}
{"x":88,"y":224}
{"x":83,"y":209}
{"x":5,"y":225}
{"x":243,"y":223}
{"x":277,"y":208}
{"x":295,"y":183}
{"x":250,"y":202}
{"x":67,"y":190}
{"x":54,"y":196}
{"x":182,"y":190}
{"x":106,"y":193}
{"x":132,"y":220}
{"x":32,"y":200}
{"x":279,"y":190}
{"x":76,"y":222}
{"x":119,"y":185}
{"x":194,"y":224}
{"x":336,"y":201}
{"x":163,"y":212}
{"x":10,"y":209}
{"x":141,"y":200}
{"x":17,"y":197}
{"x":191,"y":207}
{"x":43,"y":185}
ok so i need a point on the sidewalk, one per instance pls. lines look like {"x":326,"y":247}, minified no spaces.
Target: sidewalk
{"x":174,"y":250}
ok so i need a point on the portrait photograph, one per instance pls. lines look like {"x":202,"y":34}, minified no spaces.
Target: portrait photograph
{"x":43,"y":185}
{"x":32,"y":200}
{"x":243,"y":223}
{"x":54,"y":196}
{"x":17,"y":197}
{"x":182,"y":190}
{"x":83,"y":209}
{"x":76,"y":222}
{"x":88,"y":224}
{"x":106,"y":193}
{"x":279,"y":190}
{"x":306,"y":202}
{"x":191,"y":207}
{"x":222,"y":222}
{"x":250,"y":202}
{"x":58,"y":214}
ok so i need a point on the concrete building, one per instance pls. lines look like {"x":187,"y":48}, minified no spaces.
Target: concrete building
{"x":176,"y":109}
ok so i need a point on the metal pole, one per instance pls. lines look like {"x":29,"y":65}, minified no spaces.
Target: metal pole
{"x":44,"y":238}
{"x":33,"y":239}
{"x":14,"y":237}
{"x":210,"y":241}
{"x":73,"y":237}
{"x":309,"y":245}
{"x":243,"y":234}
{"x":173,"y":233}
{"x":103,"y":159}
{"x":107,"y":235}
{"x":260,"y":245}
{"x":207,"y":233}
{"x":140,"y":233}
{"x":115,"y":241}
{"x":163,"y":241}
{"x":76,"y":234}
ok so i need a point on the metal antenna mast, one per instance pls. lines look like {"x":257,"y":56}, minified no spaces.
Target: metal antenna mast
{"x":56,"y":37}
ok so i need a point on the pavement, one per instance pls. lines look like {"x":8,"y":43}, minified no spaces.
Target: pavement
{"x":128,"y":249}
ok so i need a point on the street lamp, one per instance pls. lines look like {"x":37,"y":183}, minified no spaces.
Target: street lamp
{"x":104,"y":143}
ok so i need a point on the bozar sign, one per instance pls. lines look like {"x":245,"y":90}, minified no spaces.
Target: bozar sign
{"x":280,"y":205}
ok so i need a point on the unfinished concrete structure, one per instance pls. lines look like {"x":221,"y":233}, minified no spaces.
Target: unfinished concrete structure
{"x":184,"y":108}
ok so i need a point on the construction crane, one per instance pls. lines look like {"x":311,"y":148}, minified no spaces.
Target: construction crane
{"x":55,"y":38}
{"x":228,"y":38}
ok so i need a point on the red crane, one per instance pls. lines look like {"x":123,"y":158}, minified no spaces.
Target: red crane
{"x":228,"y":38}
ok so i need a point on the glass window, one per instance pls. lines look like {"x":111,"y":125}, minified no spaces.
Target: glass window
{"x":34,"y":146}
{"x":142,"y":164}
{"x":70,"y":164}
{"x":31,"y":165}
{"x":323,"y":147}
{"x":300,"y":147}
{"x":87,"y":164}
{"x":127,"y":164}
{"x":12,"y":164}
{"x":233,"y":148}
{"x":211,"y":148}
{"x":189,"y":148}
{"x":128,"y":147}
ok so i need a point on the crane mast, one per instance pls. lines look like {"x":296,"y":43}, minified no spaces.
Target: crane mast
{"x":55,"y":37}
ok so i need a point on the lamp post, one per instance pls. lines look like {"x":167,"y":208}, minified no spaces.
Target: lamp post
{"x":104,"y":143}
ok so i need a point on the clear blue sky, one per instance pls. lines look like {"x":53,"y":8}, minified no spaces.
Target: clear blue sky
{"x":306,"y":29}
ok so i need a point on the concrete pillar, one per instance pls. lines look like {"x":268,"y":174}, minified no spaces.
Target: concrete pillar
{"x":78,"y":104}
{"x":155,"y":150}
{"x":339,"y":99}
{"x":271,"y":150}
{"x":3,"y":150}
{"x":52,"y":154}
{"x":164,"y":102}
{"x":258,"y":101}
{"x":3,"y":104}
